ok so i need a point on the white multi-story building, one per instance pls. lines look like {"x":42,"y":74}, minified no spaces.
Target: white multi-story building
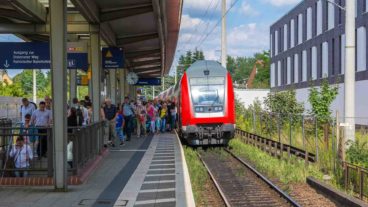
{"x":307,"y":46}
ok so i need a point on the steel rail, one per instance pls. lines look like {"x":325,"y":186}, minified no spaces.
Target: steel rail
{"x":222,"y":194}
{"x":266,"y":180}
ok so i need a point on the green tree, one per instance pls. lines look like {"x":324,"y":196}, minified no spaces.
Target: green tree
{"x":185,"y":61}
{"x":25,"y":79}
{"x":321,"y":100}
{"x":14,"y":89}
{"x":284,"y":103}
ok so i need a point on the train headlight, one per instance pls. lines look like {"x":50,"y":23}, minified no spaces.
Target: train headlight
{"x":197,"y":109}
{"x":220,"y":108}
{"x":217,"y":108}
{"x":201,"y":109}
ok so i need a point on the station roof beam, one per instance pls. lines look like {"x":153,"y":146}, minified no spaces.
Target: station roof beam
{"x":33,"y":10}
{"x":123,"y":12}
{"x":130,"y":39}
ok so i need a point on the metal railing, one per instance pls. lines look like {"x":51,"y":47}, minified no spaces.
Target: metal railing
{"x":274,"y":148}
{"x":87,"y":143}
{"x":355,"y":179}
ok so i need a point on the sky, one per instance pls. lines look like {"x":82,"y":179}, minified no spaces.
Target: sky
{"x":248,"y":25}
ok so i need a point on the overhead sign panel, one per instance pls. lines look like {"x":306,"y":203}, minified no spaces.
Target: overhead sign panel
{"x":112,"y":58}
{"x":77,"y":55}
{"x":36,"y":55}
{"x":149,"y":82}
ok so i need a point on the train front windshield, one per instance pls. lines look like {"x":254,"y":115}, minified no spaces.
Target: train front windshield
{"x":207,"y":91}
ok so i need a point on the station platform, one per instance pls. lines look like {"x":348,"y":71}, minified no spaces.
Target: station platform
{"x":149,"y":171}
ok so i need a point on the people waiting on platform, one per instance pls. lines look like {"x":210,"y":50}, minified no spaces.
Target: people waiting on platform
{"x":42,"y":118}
{"x":120,"y":123}
{"x":28,"y":131}
{"x":128,"y":113}
{"x":22,"y":155}
{"x":141,"y":114}
{"x":108,"y":114}
{"x":48,"y":102}
{"x":27,"y":107}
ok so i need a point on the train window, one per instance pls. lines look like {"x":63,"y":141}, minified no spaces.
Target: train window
{"x":207,"y":91}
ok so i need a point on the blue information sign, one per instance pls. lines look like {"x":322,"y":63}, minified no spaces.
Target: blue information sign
{"x":35,"y":55}
{"x":112,"y":58}
{"x":149,"y":82}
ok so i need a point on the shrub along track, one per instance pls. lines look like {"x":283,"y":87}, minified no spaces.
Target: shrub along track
{"x":239,"y":184}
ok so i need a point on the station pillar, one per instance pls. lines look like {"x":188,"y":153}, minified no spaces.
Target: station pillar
{"x":58,"y":15}
{"x":112,"y":85}
{"x":96,"y":73}
{"x":73,"y":84}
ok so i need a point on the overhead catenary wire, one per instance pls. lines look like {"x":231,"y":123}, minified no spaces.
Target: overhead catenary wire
{"x":200,"y":23}
{"x":218,"y":22}
{"x":189,"y":39}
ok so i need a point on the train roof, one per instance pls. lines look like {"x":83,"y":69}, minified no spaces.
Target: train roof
{"x":198,"y":68}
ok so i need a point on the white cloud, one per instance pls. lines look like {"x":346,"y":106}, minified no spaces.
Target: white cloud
{"x":189,"y":23}
{"x":245,"y":40}
{"x":247,"y":10}
{"x":198,"y":8}
{"x":282,"y":2}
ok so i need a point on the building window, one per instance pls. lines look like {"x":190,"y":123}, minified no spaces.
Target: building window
{"x":330,"y":15}
{"x":342,"y":52}
{"x":271,"y":45}
{"x":365,"y":5}
{"x":340,"y":12}
{"x":273,"y":75}
{"x":333,"y":69}
{"x":324,"y":59}
{"x":279,"y":73}
{"x":314,"y":63}
{"x":288,"y":71}
{"x":300,"y":28}
{"x":296,"y":68}
{"x":361,"y":49}
{"x":309,"y":23}
{"x":285,"y":37}
{"x":276,"y":42}
{"x":304,"y":66}
{"x":319,"y":17}
{"x":292,"y":33}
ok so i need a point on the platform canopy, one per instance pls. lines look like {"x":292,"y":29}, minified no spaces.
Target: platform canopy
{"x":147,"y":30}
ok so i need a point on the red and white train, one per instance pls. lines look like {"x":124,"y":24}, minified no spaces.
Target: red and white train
{"x":205,"y":102}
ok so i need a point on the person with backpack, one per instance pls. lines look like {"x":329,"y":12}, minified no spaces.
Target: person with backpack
{"x":27,"y":107}
{"x":22,"y":155}
{"x":81,"y":110}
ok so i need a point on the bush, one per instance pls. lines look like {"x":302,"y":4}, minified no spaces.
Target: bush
{"x":358,"y":153}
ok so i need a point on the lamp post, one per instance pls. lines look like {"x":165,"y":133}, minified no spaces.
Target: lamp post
{"x":349,"y":78}
{"x":350,"y":70}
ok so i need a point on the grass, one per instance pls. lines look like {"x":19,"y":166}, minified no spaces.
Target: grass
{"x":198,"y":175}
{"x":293,"y":171}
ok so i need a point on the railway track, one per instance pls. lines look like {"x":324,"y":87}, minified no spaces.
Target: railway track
{"x":239,"y":184}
